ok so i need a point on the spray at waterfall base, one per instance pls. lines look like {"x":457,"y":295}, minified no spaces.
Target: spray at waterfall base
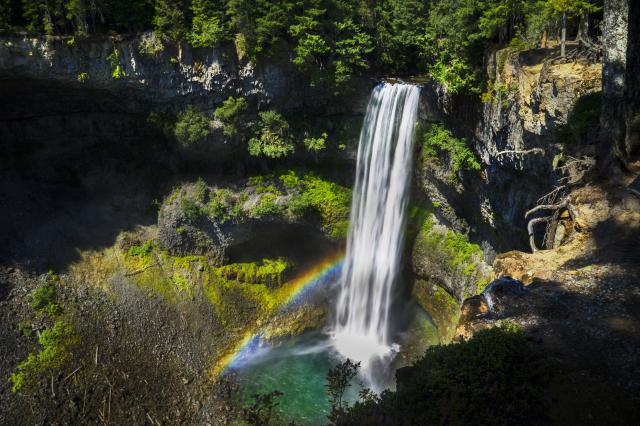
{"x":361,"y":327}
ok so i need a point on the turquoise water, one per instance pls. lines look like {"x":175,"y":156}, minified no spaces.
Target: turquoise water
{"x":298,"y":368}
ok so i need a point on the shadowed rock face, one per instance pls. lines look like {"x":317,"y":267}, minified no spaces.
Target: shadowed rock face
{"x":620,"y":119}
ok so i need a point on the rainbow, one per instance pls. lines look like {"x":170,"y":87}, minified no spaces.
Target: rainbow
{"x":295,"y":292}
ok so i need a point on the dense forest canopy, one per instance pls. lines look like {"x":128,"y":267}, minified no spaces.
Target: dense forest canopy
{"x":331,"y":40}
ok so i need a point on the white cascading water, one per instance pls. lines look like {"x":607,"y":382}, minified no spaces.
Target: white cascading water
{"x":376,"y":233}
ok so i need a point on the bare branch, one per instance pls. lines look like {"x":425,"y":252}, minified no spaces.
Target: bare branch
{"x":521,"y":151}
{"x":532,"y":222}
{"x":557,"y":206}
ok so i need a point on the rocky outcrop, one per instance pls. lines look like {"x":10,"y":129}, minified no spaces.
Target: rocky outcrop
{"x":580,"y":299}
{"x":515,"y":135}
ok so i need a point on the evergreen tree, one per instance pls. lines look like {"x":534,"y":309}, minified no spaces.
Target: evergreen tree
{"x":169,"y":18}
{"x":209,"y":25}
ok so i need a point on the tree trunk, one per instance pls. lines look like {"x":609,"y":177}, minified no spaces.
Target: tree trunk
{"x":583,"y":29}
{"x":543,"y":43}
{"x":563,"y":37}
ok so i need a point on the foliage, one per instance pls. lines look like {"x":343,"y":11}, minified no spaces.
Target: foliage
{"x":82,"y":77}
{"x":268,"y":271}
{"x":151,"y":44}
{"x":230,"y":114}
{"x":316,"y":144}
{"x":330,"y":41}
{"x":209,"y":25}
{"x":260,"y":413}
{"x":267,"y":207}
{"x":141,"y":250}
{"x":169,"y":19}
{"x":455,"y":247}
{"x":55,"y":342}
{"x":44,"y":294}
{"x":117,"y":71}
{"x":271,"y":137}
{"x":438,"y":139}
{"x":329,"y":199}
{"x":338,"y":380}
{"x":192,"y":126}
{"x":496,"y":377}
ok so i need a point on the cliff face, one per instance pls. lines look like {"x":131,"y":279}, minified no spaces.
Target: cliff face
{"x":85,"y":89}
{"x":520,"y":134}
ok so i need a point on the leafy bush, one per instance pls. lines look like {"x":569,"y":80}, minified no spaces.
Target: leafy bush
{"x":209,"y":26}
{"x":44,"y":294}
{"x":151,"y":44}
{"x":55,"y":342}
{"x":117,"y":71}
{"x":267,"y":207}
{"x":230,"y":114}
{"x":438,"y":139}
{"x":192,"y":126}
{"x":497,"y":377}
{"x":271,"y":137}
{"x":141,"y":250}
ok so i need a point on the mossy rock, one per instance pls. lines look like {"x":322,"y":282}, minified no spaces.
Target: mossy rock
{"x":443,"y":308}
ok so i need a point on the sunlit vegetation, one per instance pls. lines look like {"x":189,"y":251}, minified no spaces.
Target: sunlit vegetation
{"x":287,"y":195}
{"x":496,"y":377}
{"x":192,"y":126}
{"x":271,"y":138}
{"x":54,"y":343}
{"x":230,"y":114}
{"x":437,"y":140}
{"x":331,"y":41}
{"x":54,"y":340}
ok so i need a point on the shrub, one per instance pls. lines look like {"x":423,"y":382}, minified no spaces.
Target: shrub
{"x":438,"y":139}
{"x":151,"y":44}
{"x":496,"y":377}
{"x":55,"y":342}
{"x":82,"y":77}
{"x":44,"y":293}
{"x":267,"y":207}
{"x":271,"y":138}
{"x":230,"y":114}
{"x":117,"y":71}
{"x":192,"y":126}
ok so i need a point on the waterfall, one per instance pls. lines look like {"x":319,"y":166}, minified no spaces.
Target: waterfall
{"x":376,"y":233}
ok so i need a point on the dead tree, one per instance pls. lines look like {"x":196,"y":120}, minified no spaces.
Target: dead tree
{"x":558,"y":200}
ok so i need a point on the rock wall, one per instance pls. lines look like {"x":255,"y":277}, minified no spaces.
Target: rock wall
{"x":516,"y":134}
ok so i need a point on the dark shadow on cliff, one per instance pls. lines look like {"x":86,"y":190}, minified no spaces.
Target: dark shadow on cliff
{"x":78,"y":166}
{"x":591,"y":326}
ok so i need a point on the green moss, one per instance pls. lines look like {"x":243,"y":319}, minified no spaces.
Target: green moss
{"x":269,"y":271}
{"x":329,"y":199}
{"x":437,"y":140}
{"x":443,"y":308}
{"x":55,"y":342}
{"x":461,"y":254}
